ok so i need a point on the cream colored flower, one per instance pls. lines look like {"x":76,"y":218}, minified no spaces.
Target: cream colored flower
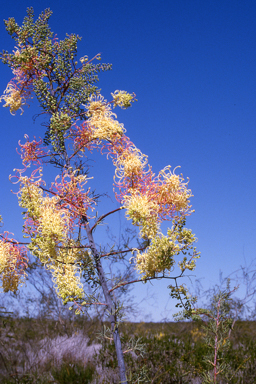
{"x":10,"y":276}
{"x":53,"y":227}
{"x":13,"y":99}
{"x":67,"y":281}
{"x":122,"y":98}
{"x":102,"y":119}
{"x":4,"y":255}
{"x":130,"y":163}
{"x":50,"y":240}
{"x":143,"y":213}
{"x":172,"y":191}
{"x":157,"y":258}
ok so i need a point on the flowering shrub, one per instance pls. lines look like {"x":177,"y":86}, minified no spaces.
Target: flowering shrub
{"x":58,"y":220}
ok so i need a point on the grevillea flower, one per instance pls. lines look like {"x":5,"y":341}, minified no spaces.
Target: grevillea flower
{"x":13,"y":98}
{"x":158,"y":257}
{"x":13,"y":262}
{"x":31,"y":151}
{"x":30,"y":196}
{"x":53,"y":226}
{"x":102,"y":119}
{"x":129,"y":163}
{"x":82,"y":136}
{"x":172,"y":194}
{"x":19,"y":89}
{"x":143,"y":213}
{"x":50,"y":225}
{"x":123,"y":99}
{"x":47,"y":223}
{"x":71,"y":191}
{"x":67,"y":281}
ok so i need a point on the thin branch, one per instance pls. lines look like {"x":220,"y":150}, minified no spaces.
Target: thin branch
{"x":73,"y":246}
{"x":125,"y":251}
{"x":103,"y":217}
{"x":178,"y":289}
{"x":14,"y":241}
{"x":96,"y":304}
{"x":144,"y":280}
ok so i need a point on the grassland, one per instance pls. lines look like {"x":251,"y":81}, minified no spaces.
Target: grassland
{"x":40,"y":351}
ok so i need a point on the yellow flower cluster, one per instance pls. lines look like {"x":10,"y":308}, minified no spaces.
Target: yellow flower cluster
{"x":50,"y":238}
{"x":172,"y":190}
{"x":53,"y":226}
{"x":66,"y":282}
{"x":158,"y":257}
{"x":147,"y":199}
{"x":122,"y":99}
{"x":8,"y":268}
{"x":130,"y":163}
{"x":30,"y":197}
{"x":143,"y":213}
{"x":13,"y":99}
{"x":102,"y":119}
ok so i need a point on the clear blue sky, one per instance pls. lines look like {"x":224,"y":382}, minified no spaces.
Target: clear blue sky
{"x":192,"y":67}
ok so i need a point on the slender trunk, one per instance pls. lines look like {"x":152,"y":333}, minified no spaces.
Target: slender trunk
{"x":109,"y":301}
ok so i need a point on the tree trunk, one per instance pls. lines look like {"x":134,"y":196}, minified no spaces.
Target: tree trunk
{"x":110,"y":304}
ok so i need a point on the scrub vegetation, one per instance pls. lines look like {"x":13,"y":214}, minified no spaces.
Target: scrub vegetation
{"x":43,"y":350}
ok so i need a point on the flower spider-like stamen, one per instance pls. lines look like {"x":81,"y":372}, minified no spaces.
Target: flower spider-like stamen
{"x":13,"y":98}
{"x":143,"y":213}
{"x":103,"y":120}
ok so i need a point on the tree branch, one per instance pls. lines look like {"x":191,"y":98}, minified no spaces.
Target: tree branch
{"x":125,"y":251}
{"x":103,"y":217}
{"x":144,"y":280}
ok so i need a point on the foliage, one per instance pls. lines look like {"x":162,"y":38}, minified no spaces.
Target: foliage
{"x":216,"y":323}
{"x":73,"y":374}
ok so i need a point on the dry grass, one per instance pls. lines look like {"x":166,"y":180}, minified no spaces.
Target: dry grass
{"x":33,"y":349}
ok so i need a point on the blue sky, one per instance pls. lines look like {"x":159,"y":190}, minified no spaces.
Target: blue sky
{"x":192,"y":66}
